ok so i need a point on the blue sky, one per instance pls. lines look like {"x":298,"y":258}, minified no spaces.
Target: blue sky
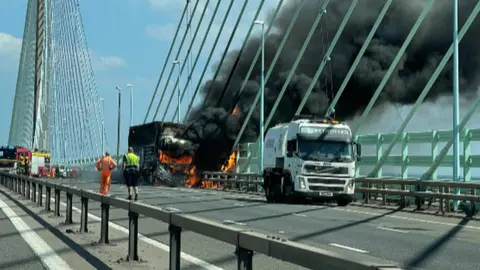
{"x":129,"y":41}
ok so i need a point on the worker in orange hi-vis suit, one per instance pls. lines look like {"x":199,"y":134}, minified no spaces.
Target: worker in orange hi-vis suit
{"x":105,"y":165}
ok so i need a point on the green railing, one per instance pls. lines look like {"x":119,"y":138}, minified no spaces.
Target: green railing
{"x":418,"y":151}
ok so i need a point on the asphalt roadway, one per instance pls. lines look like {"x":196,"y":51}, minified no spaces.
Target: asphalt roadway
{"x":414,"y":240}
{"x":14,"y":249}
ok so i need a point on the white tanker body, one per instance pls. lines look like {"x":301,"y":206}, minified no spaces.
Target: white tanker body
{"x":310,"y":158}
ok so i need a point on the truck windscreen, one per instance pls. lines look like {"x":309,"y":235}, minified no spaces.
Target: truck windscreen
{"x":332,"y":151}
{"x":7,"y":157}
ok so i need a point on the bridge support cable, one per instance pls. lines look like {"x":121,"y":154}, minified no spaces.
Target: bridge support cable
{"x":21,"y":126}
{"x":226,"y":50}
{"x":270,"y":70}
{"x":189,"y":77}
{"x":209,"y":90}
{"x":237,"y":60}
{"x":257,"y":55}
{"x":184,"y":63}
{"x":207,"y":64}
{"x":360,"y":54}
{"x":189,"y":23}
{"x":37,"y":118}
{"x":313,"y":28}
{"x":393,"y":66}
{"x":326,"y":58}
{"x":422,"y":96}
{"x":94,"y":118}
{"x":166,"y":60}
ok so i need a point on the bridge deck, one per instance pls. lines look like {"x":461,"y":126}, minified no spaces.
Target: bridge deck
{"x":430,"y":242}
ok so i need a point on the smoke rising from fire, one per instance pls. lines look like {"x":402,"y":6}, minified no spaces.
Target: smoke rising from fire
{"x":214,"y":128}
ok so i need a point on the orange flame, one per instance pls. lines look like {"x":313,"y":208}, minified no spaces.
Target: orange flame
{"x":231,"y":162}
{"x":235,"y":110}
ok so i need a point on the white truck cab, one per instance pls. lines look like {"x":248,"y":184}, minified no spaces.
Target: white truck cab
{"x":310,"y":158}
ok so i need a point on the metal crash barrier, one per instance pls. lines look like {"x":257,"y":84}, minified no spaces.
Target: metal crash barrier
{"x":443,"y":192}
{"x":246,"y":241}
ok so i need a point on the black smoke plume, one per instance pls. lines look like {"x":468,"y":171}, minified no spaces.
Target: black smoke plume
{"x":214,"y":128}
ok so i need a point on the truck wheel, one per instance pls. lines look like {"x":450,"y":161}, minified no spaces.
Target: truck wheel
{"x":269,"y":195}
{"x":343,"y":201}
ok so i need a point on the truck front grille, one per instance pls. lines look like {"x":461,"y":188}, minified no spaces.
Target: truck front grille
{"x":326,"y":181}
{"x":326,"y":188}
{"x":325,"y":169}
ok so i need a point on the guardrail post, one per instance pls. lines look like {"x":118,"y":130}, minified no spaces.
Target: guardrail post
{"x":29,"y":195}
{"x":57,"y":202}
{"x":473,"y":209}
{"x":84,"y":216}
{"x":104,"y":224}
{"x":48,"y":198}
{"x":175,"y":246}
{"x":68,"y":214}
{"x":23,"y":187}
{"x":133,"y":237}
{"x":447,"y":201}
{"x":40,"y":195}
{"x":34,"y":192}
{"x":244,"y":259}
{"x":442,"y":201}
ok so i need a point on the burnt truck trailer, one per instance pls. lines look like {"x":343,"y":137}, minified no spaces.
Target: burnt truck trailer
{"x":165,"y":158}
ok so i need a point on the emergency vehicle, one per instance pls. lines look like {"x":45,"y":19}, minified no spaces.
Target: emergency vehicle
{"x":10,"y":155}
{"x":40,"y":164}
{"x":310,"y":158}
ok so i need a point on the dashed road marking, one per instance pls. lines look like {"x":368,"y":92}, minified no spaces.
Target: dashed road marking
{"x":348,"y":248}
{"x":408,"y":218}
{"x":299,"y":215}
{"x":194,"y":260}
{"x":392,"y":230}
{"x":239,"y":204}
{"x":233,"y":222}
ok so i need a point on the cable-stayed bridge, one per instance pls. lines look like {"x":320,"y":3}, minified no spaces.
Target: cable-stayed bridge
{"x":325,"y":58}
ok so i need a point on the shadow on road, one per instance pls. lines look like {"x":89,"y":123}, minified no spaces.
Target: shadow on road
{"x":434,"y":247}
{"x":91,"y":259}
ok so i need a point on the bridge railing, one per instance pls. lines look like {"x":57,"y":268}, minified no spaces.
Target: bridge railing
{"x":442,"y":191}
{"x":413,"y":154}
{"x":246,"y":241}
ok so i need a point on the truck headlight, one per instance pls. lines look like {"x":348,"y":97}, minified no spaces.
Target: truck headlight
{"x":351,"y":183}
{"x":301,"y":182}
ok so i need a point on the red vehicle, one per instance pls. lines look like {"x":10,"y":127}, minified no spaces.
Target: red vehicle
{"x":10,"y":155}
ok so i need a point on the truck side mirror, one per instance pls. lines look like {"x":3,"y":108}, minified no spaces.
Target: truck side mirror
{"x":289,"y":154}
{"x":359,"y":151}
{"x":291,"y":147}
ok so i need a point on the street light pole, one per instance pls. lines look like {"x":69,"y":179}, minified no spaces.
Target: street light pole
{"x":176,"y":62}
{"x":456,"y":105}
{"x":102,"y":100}
{"x":262,"y":101}
{"x":119,"y":91}
{"x":131,"y":103}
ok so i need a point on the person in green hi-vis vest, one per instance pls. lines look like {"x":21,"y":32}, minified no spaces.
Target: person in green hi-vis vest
{"x":130,"y":168}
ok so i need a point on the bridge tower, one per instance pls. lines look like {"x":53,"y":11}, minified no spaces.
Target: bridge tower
{"x":56,"y":103}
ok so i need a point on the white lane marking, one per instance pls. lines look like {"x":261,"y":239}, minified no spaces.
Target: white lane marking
{"x":227,"y":221}
{"x":392,"y":230}
{"x":171,"y":209}
{"x":187,"y":257}
{"x":408,"y":218}
{"x":44,"y":252}
{"x":348,"y":248}
{"x":299,"y":215}
{"x":239,"y":204}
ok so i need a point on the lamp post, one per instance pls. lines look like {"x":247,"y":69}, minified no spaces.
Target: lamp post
{"x":262,"y":100}
{"x":102,"y":100}
{"x":119,"y":92}
{"x":456,"y":135}
{"x":131,"y":103}
{"x":176,"y":62}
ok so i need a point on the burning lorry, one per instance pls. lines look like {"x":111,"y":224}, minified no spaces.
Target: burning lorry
{"x":164,"y":156}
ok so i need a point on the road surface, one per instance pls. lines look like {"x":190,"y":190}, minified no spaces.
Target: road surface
{"x":415,"y":240}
